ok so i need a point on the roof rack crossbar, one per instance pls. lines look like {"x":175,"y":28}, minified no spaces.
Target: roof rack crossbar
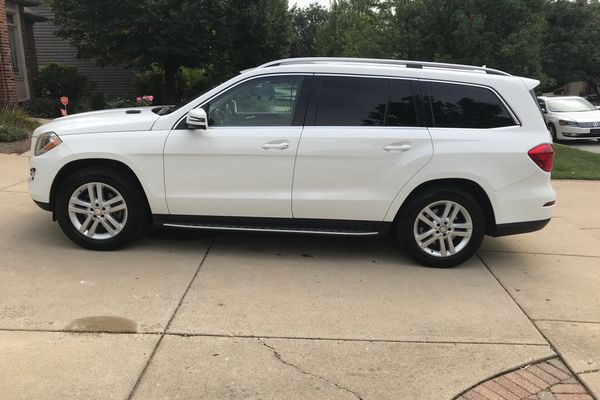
{"x":405,"y":63}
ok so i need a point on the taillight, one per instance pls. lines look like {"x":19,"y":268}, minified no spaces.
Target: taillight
{"x":543,"y":156}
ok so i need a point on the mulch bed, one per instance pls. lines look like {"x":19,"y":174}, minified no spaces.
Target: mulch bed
{"x":15,"y":147}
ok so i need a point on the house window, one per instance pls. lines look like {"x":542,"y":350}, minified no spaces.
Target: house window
{"x":15,"y":48}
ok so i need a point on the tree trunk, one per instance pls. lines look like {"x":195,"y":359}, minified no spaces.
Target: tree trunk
{"x":171,"y":70}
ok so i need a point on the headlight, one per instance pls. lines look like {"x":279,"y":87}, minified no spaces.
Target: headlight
{"x":46,"y":142}
{"x":562,"y":122}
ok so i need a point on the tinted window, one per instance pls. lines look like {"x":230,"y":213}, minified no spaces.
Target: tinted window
{"x":463,"y":106}
{"x":269,"y":101}
{"x":402,"y":109}
{"x":351,"y":101}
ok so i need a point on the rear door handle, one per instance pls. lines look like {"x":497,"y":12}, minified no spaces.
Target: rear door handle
{"x":275,"y":146}
{"x":397,"y":147}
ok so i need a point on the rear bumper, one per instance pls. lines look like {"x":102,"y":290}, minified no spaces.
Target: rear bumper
{"x":516,"y":228}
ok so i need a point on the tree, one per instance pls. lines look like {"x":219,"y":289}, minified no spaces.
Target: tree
{"x":355,"y":28}
{"x":571,"y":51}
{"x":258,"y":31}
{"x":505,"y":34}
{"x":305,"y":24}
{"x":171,"y":33}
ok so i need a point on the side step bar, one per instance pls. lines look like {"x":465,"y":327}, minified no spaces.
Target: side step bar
{"x":280,"y":225}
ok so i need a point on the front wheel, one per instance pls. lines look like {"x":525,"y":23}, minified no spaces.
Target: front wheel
{"x":100,"y":209}
{"x":552,"y":130}
{"x":441,"y":228}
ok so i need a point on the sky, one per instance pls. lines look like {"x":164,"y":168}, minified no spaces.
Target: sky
{"x":304,"y":3}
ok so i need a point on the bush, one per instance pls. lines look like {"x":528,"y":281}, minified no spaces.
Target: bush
{"x":10,"y":132}
{"x":56,"y":80}
{"x":191,"y":82}
{"x":13,"y":115}
{"x":119,"y":102}
{"x":98,"y":101}
{"x":43,"y":108}
{"x":151,"y":81}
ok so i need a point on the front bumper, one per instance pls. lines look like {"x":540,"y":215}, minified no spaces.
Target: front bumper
{"x":569,"y":132}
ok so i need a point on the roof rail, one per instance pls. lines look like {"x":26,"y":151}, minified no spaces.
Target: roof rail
{"x":404,"y":63}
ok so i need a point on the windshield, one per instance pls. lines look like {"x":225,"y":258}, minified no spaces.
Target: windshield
{"x":570,"y":105}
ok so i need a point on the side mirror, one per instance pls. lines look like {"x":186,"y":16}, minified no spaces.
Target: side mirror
{"x":197,"y":119}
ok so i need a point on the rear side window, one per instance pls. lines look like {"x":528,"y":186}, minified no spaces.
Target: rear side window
{"x":403,"y":108}
{"x":346,"y":101}
{"x":464,"y":106}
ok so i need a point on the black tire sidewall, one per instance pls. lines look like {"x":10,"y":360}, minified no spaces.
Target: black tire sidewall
{"x":136,"y":209}
{"x":553,"y":133}
{"x":406,"y":222}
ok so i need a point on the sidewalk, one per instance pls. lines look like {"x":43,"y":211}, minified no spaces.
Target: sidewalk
{"x":273,"y":316}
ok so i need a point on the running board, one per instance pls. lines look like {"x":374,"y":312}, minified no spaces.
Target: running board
{"x":278,"y":225}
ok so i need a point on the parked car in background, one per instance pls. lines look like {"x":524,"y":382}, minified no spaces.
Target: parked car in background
{"x":570,"y":117}
{"x":438,"y":154}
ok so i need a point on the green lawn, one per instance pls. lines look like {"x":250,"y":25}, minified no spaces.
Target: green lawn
{"x":570,"y":163}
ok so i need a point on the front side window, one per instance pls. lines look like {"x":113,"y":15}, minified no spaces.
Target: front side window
{"x":464,"y":106}
{"x":348,"y":101}
{"x":268,"y":101}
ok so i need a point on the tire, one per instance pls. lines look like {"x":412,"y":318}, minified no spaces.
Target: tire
{"x":469,"y":213}
{"x":552,"y":130}
{"x":77,"y":219}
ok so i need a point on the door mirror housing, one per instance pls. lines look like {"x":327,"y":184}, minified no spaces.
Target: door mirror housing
{"x":197,"y":119}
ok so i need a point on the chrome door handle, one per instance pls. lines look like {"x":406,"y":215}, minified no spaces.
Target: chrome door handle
{"x":275,"y":146}
{"x":399,"y":147}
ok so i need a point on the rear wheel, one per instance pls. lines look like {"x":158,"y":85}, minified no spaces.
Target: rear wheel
{"x":100,"y":209}
{"x":441,"y":228}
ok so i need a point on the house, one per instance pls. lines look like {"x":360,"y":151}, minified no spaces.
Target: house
{"x":112,"y":81}
{"x":18,"y":64}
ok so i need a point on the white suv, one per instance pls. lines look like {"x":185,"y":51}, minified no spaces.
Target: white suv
{"x":438,"y":154}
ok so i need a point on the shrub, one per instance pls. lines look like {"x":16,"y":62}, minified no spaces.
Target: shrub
{"x":151,"y":81}
{"x":14,"y":115}
{"x":11,"y":132}
{"x":98,"y":101}
{"x":191,"y":82}
{"x":119,"y":102}
{"x":56,"y":80}
{"x":43,"y":108}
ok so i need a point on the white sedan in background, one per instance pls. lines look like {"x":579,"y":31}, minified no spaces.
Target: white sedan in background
{"x":570,"y":117}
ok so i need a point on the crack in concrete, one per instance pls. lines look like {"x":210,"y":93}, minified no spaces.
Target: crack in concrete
{"x":588,"y":371}
{"x":279,"y":358}
{"x":318,"y":339}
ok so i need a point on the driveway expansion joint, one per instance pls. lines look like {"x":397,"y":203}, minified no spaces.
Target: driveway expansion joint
{"x":567,"y":368}
{"x":280,"y":358}
{"x":164,"y":332}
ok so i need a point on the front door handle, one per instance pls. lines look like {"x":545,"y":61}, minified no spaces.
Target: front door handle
{"x":397,"y":147}
{"x":275,"y":146}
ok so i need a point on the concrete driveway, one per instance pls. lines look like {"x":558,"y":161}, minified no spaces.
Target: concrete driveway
{"x":253,"y":316}
{"x":587,"y":145}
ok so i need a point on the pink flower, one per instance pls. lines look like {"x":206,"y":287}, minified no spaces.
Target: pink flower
{"x":139,"y":100}
{"x":150,"y":98}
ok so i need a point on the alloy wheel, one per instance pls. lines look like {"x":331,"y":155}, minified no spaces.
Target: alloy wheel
{"x":98,"y":211}
{"x":443,"y":228}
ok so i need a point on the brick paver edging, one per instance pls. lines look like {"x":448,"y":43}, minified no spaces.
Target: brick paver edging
{"x":545,"y":380}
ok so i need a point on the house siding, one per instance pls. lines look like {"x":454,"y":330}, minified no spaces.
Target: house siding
{"x":112,"y":81}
